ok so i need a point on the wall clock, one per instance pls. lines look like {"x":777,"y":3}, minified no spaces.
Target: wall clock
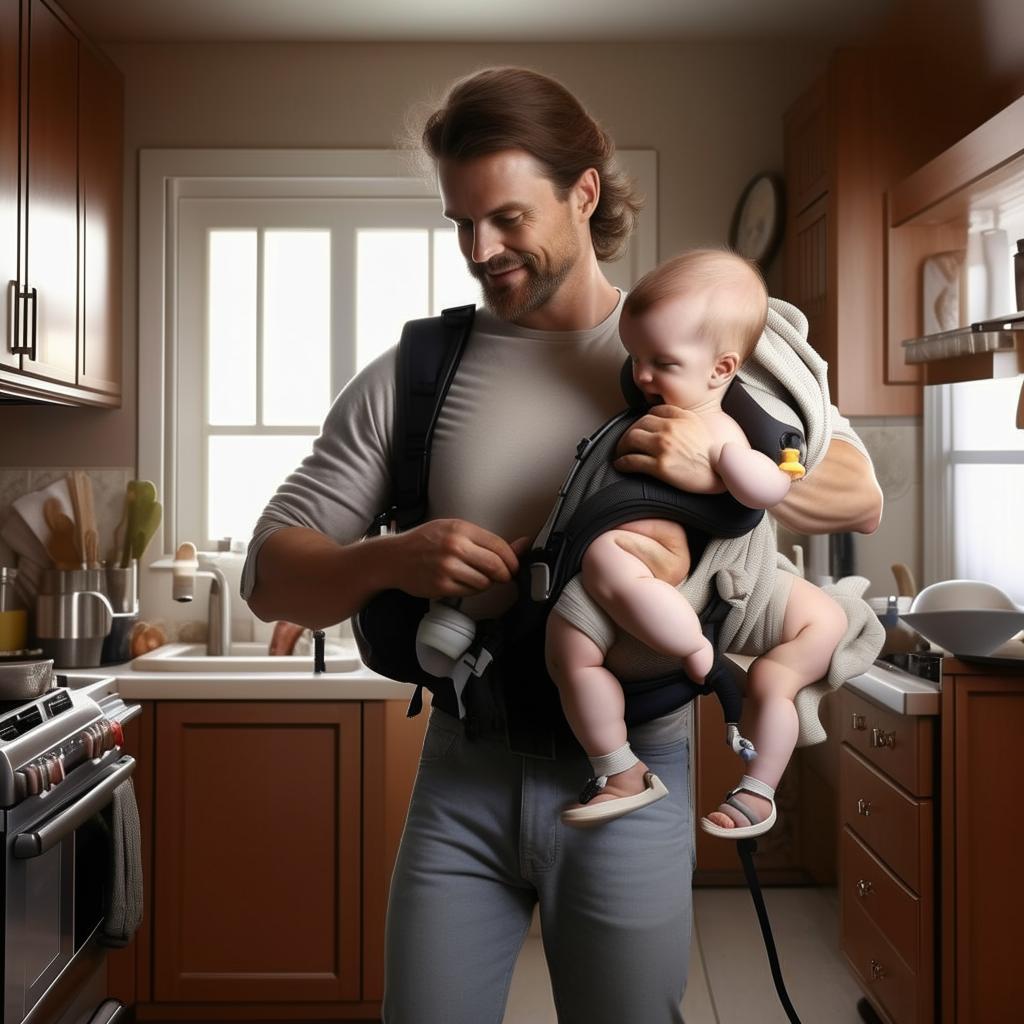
{"x":757,"y":222}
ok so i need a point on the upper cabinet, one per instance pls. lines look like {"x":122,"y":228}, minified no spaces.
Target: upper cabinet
{"x":60,"y":210}
{"x":955,"y":224}
{"x":835,"y":237}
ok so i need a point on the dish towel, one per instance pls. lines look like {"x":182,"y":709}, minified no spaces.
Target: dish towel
{"x":747,"y":572}
{"x":124,"y":901}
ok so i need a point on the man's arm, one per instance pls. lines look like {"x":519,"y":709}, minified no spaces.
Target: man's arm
{"x":840,"y":496}
{"x":304,"y":577}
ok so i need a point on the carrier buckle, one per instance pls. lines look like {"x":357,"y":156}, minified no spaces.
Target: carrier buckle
{"x":540,"y":581}
{"x":470,"y":664}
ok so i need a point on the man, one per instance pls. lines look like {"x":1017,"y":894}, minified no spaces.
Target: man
{"x":528,"y":179}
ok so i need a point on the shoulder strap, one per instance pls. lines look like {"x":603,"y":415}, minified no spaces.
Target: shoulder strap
{"x":428,"y":355}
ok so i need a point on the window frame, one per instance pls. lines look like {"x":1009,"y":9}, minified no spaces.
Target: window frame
{"x":941,"y":457}
{"x":167,"y":176}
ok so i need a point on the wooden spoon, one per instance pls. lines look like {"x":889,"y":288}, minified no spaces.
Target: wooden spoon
{"x":61,"y":545}
{"x":906,"y":585}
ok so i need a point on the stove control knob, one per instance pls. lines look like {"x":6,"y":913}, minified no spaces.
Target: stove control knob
{"x":89,"y":742}
{"x":56,"y":769}
{"x":118,"y":733}
{"x":33,"y":780}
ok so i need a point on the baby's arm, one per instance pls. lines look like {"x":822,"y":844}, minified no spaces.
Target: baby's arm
{"x":749,"y":475}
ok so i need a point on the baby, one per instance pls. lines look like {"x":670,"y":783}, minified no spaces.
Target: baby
{"x":688,"y":326}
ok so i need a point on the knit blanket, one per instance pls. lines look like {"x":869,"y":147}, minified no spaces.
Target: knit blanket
{"x":746,"y":571}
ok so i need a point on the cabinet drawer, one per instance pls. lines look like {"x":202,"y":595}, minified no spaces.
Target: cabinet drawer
{"x":897,"y":827}
{"x":881,"y":972}
{"x":901,"y":745}
{"x":867,"y":884}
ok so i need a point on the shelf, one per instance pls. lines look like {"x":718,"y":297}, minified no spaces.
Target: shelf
{"x":944,"y":207}
{"x":983,"y":169}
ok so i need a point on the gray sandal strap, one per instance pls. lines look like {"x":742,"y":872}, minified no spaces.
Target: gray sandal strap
{"x":744,"y":810}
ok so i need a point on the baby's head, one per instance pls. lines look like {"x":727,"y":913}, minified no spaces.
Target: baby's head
{"x":690,"y":324}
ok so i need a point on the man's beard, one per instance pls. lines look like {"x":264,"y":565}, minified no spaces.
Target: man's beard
{"x":513,"y":304}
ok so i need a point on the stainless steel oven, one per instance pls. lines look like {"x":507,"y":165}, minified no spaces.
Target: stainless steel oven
{"x":56,"y":834}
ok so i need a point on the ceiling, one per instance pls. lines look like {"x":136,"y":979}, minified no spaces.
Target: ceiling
{"x":151,"y":21}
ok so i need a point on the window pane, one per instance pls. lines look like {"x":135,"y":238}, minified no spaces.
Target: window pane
{"x":242,"y":474}
{"x":392,"y":277}
{"x":453,"y":283}
{"x":231,"y":328}
{"x":296,"y":327}
{"x":988,"y":511}
{"x":984,"y":415}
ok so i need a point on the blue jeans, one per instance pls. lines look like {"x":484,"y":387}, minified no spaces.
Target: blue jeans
{"x":483,"y":843}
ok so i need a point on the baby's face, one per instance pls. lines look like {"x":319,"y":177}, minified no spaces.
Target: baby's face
{"x":673,"y":363}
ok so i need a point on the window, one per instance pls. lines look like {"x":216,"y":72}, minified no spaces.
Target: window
{"x":974,"y":480}
{"x":266,"y":279}
{"x":279,"y":303}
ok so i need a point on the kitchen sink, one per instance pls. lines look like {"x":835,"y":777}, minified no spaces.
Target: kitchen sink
{"x":247,"y":658}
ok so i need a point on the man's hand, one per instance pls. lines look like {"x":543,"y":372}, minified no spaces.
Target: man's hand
{"x":671,"y":444}
{"x":284,"y":638}
{"x":454,"y":558}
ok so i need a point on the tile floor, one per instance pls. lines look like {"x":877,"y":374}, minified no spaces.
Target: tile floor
{"x":805,"y":922}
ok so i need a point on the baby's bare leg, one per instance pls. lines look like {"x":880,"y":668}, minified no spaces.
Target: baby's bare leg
{"x":617,"y":576}
{"x":592,"y":700}
{"x":813,"y":626}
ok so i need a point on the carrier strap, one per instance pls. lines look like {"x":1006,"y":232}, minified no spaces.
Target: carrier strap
{"x":746,"y":849}
{"x":427,"y":360}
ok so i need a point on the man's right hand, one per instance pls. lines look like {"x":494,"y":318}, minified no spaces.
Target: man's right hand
{"x":454,"y":558}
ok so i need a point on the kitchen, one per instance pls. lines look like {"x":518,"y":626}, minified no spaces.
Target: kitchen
{"x":210,"y":108}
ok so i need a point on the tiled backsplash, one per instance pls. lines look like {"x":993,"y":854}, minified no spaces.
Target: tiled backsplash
{"x":186,"y":622}
{"x":108,"y":486}
{"x":895,"y":446}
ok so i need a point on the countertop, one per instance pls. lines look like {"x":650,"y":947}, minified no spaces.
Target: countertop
{"x":882,"y":683}
{"x":361,"y":684}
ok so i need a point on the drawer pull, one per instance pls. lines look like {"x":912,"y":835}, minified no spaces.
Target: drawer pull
{"x":858,"y":723}
{"x":881,"y":738}
{"x":877,"y":971}
{"x":864,"y":807}
{"x":864,"y":887}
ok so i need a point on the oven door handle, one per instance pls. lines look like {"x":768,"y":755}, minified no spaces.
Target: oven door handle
{"x":35,"y":844}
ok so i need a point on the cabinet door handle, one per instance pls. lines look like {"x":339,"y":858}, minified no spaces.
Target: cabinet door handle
{"x":34,"y":296}
{"x":19,"y":344}
{"x":863,"y":807}
{"x":881,"y":738}
{"x":877,"y":971}
{"x":864,"y":887}
{"x":858,"y":723}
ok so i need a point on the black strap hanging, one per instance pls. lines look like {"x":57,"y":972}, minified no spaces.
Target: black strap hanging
{"x":746,"y":849}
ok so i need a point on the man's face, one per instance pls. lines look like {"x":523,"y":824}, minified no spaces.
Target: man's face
{"x":519,"y":239}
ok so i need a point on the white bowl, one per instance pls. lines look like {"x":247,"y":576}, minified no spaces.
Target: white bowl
{"x":965,"y":616}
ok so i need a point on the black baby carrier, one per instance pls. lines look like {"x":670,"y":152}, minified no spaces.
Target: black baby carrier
{"x":594,"y":498}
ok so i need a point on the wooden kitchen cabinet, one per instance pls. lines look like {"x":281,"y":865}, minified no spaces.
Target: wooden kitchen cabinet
{"x":257,"y":871}
{"x":887,"y":867}
{"x":62,"y":156}
{"x":981,"y":842}
{"x":930,"y":850}
{"x":836,"y":233}
{"x":270,"y":831}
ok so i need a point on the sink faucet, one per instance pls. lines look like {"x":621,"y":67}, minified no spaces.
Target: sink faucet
{"x":218,"y":618}
{"x":186,"y":565}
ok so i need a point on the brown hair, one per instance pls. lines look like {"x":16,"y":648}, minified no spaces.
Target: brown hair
{"x":739,"y":310}
{"x":516,"y":108}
